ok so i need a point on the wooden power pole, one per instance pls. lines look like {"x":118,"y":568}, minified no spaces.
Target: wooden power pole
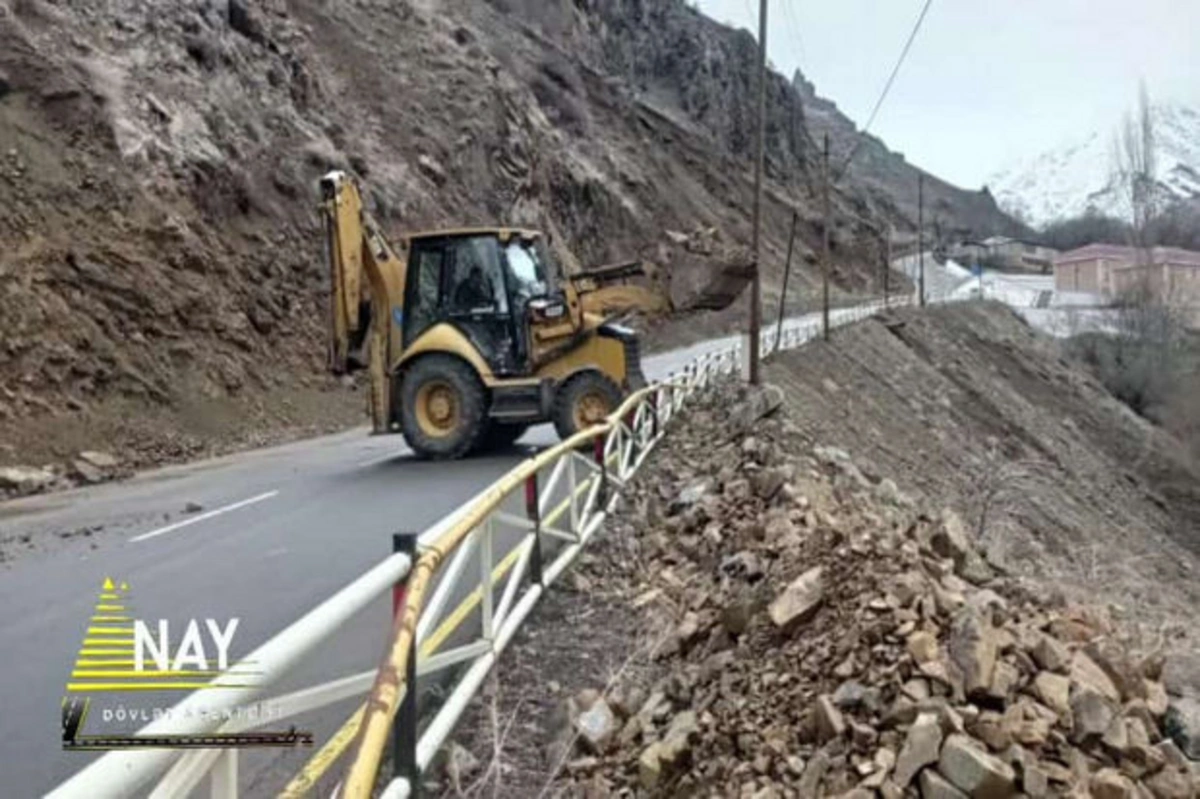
{"x":756,"y":246}
{"x":825,"y":266}
{"x":787,"y":270}
{"x":921,"y":239}
{"x":887,"y":264}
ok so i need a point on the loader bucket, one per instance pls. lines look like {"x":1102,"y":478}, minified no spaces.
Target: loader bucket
{"x":701,"y":285}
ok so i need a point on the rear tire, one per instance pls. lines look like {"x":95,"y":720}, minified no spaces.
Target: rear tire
{"x":443,"y":407}
{"x":584,"y":400}
{"x":501,"y":436}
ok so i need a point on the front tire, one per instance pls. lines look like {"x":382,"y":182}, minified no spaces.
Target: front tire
{"x":443,"y":407}
{"x":584,"y":400}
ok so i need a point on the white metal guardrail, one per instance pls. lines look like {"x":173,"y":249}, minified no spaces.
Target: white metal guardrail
{"x":494,"y":557}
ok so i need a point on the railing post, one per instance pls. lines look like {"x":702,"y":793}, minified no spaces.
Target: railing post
{"x":633,"y":436}
{"x":224,"y":776}
{"x":534,"y":512}
{"x":653,"y":414}
{"x":602,"y":462}
{"x":404,"y":728}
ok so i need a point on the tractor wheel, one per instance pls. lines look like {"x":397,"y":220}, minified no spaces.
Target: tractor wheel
{"x":501,"y":436}
{"x":443,"y":407}
{"x":586,"y":399}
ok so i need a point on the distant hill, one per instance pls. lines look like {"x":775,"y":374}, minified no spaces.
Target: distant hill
{"x":1076,"y":176}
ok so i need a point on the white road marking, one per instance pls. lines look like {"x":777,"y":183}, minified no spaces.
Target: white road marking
{"x":202,"y":517}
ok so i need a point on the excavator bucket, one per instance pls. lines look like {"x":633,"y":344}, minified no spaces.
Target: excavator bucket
{"x":705,"y":273}
{"x":721,"y":285}
{"x":702,"y":276}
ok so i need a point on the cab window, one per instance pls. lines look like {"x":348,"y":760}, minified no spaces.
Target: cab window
{"x":422,"y":293}
{"x":475,"y":282}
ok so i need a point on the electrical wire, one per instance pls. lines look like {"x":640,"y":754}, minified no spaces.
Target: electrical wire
{"x":886,"y":88}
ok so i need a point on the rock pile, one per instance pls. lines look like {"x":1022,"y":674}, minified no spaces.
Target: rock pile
{"x":87,"y":467}
{"x":836,"y":638}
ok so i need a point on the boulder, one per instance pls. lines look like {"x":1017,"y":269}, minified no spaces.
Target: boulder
{"x":1092,"y":713}
{"x":814,"y":772}
{"x":689,"y":496}
{"x":799,"y":601}
{"x":921,"y":748}
{"x":1051,"y":654}
{"x":1054,"y":690}
{"x":827,"y":719}
{"x":935,"y":786}
{"x":1118,"y":666}
{"x":1085,"y":673}
{"x":759,"y":401}
{"x":974,"y":771}
{"x":923,"y":646}
{"x":461,"y":764}
{"x":597,"y":726}
{"x":950,"y":539}
{"x":1182,"y":725}
{"x":25,"y":479}
{"x":668,"y":752}
{"x":1108,"y":783}
{"x":101,"y":460}
{"x":86,"y":472}
{"x":972,"y":647}
{"x":1171,"y":783}
{"x":768,"y":481}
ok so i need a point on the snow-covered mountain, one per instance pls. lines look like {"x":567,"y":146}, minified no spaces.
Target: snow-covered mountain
{"x":1068,"y":180}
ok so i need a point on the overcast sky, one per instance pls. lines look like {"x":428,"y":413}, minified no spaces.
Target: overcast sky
{"x":986,"y":81}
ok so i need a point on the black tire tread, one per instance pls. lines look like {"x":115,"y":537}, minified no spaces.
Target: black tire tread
{"x":474,"y":407}
{"x":564,"y":399}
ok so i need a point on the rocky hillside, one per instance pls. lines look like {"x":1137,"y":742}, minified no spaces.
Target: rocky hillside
{"x":770,"y":616}
{"x":161,"y":270}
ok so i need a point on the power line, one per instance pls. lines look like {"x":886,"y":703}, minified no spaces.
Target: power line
{"x":886,"y":88}
{"x":791,"y":17}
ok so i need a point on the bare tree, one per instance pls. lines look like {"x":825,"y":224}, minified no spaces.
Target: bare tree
{"x":1135,"y":169}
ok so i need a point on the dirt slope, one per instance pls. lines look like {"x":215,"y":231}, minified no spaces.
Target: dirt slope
{"x":768,"y":616}
{"x":1058,"y":478}
{"x":158,"y":167}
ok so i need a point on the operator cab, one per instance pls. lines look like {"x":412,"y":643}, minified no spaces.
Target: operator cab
{"x":484,"y":282}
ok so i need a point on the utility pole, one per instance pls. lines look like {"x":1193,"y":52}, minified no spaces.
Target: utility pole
{"x":787,"y":270}
{"x":887,"y":264}
{"x":756,"y":277}
{"x":825,"y":242}
{"x":921,"y":238}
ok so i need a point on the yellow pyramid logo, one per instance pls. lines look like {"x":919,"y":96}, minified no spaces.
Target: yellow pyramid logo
{"x":107,"y":659}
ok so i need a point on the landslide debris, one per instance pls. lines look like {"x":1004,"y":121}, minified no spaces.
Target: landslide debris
{"x":809,"y":629}
{"x":1052,"y":475}
{"x":161,"y":277}
{"x":888,"y":657}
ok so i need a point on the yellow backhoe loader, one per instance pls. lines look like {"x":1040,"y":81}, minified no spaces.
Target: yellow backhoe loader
{"x":472,"y":335}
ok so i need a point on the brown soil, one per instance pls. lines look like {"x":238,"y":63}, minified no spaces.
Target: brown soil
{"x":160,"y":248}
{"x":658,"y":589}
{"x":1057,"y":478}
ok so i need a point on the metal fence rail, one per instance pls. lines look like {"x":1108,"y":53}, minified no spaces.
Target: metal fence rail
{"x":492,"y":559}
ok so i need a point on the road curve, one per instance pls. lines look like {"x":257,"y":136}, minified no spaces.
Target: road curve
{"x":279,"y":531}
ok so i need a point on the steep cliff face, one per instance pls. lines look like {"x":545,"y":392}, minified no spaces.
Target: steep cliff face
{"x":159,"y":161}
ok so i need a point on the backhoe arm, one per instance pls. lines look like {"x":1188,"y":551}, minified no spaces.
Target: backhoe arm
{"x":356,"y":250}
{"x":366,"y":291}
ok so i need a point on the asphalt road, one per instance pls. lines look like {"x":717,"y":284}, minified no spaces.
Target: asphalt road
{"x":280,"y":530}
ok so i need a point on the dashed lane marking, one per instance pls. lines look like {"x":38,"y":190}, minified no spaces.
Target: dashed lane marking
{"x":201,"y":517}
